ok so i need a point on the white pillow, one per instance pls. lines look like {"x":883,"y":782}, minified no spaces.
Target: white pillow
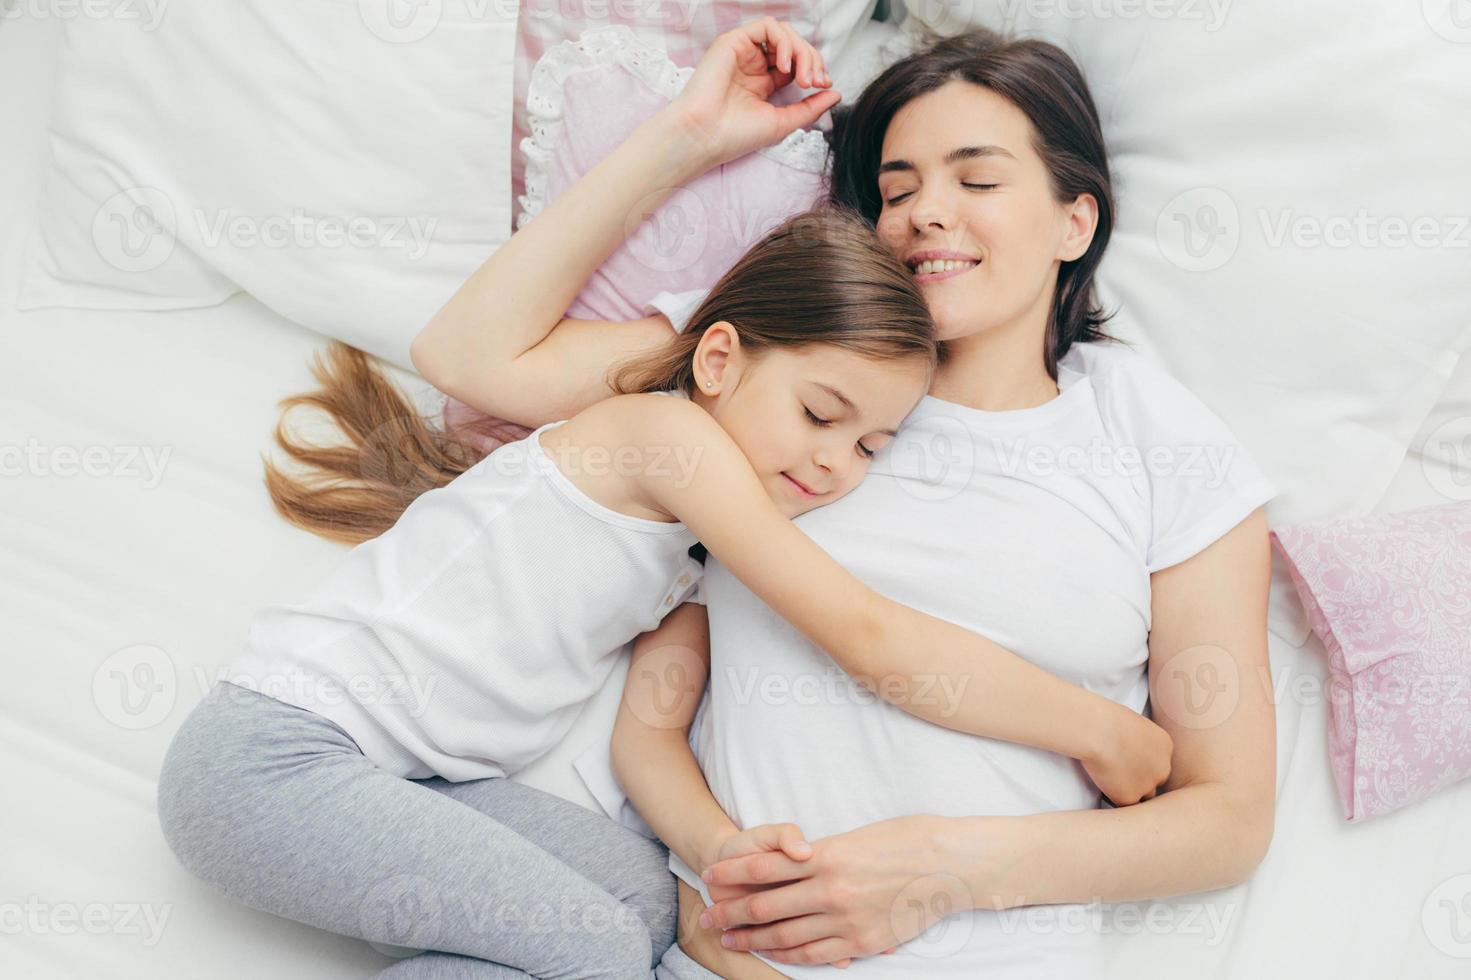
{"x":345,"y":162}
{"x":1264,"y":132}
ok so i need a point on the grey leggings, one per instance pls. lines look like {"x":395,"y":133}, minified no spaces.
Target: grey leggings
{"x":277,"y":808}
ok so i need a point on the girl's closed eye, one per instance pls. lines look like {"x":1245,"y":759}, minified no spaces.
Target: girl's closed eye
{"x":863,"y":450}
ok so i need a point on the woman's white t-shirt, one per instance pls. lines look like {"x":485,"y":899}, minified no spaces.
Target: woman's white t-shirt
{"x":1038,"y":528}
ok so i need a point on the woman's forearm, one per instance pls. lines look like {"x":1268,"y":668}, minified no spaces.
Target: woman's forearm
{"x":1193,"y":838}
{"x":521,"y":292}
{"x":663,"y":780}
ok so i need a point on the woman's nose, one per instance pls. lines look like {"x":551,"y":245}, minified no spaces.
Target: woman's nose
{"x":931,"y":208}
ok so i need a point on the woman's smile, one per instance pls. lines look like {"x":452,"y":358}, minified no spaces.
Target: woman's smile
{"x":941,"y":272}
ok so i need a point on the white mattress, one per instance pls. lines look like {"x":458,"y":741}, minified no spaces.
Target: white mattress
{"x":96,"y":564}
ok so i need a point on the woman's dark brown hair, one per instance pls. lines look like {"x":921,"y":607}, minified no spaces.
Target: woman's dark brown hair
{"x":1043,"y":82}
{"x":822,"y":277}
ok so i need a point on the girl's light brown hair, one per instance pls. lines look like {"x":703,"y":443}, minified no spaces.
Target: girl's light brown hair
{"x":820,"y":277}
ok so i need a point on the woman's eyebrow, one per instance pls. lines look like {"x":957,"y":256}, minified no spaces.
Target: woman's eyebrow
{"x":954,"y":156}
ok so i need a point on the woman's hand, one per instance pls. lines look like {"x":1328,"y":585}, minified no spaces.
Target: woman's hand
{"x":861,"y":893}
{"x":1130,"y":765}
{"x":726,"y":102}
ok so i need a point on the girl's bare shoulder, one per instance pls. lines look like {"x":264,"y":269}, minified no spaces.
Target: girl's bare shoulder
{"x":610,"y":449}
{"x":636,"y":420}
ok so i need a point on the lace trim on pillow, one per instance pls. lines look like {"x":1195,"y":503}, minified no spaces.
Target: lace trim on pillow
{"x":804,"y":149}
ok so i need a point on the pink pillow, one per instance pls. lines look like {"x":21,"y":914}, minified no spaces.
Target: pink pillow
{"x":585,"y":98}
{"x":1390,"y":597}
{"x":682,"y":30}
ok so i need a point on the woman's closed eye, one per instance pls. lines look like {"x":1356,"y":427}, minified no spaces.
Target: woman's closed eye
{"x":822,"y":423}
{"x":974,"y":187}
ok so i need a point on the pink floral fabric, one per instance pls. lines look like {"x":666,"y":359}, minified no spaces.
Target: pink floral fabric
{"x":1390,"y":597}
{"x":682,"y":28}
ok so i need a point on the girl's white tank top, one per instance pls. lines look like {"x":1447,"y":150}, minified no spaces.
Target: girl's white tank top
{"x":464,"y":641}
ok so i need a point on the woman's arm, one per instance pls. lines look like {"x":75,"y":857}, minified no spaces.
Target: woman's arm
{"x":501,"y":343}
{"x":927,"y":666}
{"x":1211,"y":688}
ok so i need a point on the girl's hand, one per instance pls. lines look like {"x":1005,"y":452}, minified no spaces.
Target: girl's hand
{"x":725,"y":103}
{"x":861,"y":893}
{"x":785,"y":840}
{"x":1133,"y":761}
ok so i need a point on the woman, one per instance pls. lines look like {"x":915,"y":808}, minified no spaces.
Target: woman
{"x":1125,"y":576}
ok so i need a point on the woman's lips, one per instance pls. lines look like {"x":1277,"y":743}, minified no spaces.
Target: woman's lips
{"x":799,"y":487}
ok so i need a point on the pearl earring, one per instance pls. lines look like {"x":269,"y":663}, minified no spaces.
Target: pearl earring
{"x":709,"y":384}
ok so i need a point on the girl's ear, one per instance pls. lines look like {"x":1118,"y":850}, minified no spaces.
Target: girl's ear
{"x":718,"y":348}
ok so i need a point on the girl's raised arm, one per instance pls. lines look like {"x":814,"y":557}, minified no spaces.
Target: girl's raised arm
{"x":501,"y":344}
{"x":896,"y":651}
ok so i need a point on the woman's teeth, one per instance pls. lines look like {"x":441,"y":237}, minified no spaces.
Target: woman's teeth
{"x":943,"y":265}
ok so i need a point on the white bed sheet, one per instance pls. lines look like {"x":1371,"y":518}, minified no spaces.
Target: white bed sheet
{"x":97,"y":564}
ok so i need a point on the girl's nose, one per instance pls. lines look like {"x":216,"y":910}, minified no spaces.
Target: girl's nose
{"x":832,"y":459}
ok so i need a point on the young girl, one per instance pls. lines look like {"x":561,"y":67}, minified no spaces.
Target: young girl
{"x":358,"y":787}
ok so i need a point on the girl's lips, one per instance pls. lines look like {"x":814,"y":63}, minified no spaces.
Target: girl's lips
{"x":799,"y":488}
{"x":947,"y":274}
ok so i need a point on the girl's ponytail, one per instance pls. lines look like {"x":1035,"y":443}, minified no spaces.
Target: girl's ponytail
{"x":353,"y":491}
